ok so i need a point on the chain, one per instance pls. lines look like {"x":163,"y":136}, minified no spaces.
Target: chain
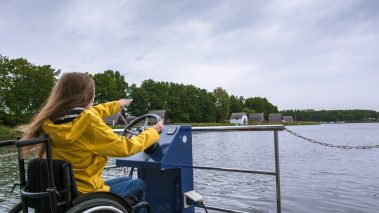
{"x":328,"y":144}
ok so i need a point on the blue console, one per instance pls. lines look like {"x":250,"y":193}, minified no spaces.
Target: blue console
{"x":168,"y":171}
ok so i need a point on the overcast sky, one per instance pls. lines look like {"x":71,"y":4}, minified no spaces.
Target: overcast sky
{"x":298,"y":54}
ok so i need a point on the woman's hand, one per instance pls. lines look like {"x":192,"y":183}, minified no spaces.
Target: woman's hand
{"x":125,"y":102}
{"x":159,"y":126}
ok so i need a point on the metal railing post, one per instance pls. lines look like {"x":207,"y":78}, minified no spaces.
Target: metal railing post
{"x":277,"y":171}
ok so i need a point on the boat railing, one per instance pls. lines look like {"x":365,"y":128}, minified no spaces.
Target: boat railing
{"x":276,"y":173}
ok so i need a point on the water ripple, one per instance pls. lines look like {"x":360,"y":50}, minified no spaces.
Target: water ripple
{"x":313,"y":178}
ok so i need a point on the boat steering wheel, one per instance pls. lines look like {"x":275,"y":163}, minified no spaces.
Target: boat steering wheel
{"x":142,"y":121}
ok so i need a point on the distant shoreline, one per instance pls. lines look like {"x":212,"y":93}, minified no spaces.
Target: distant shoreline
{"x":11,"y":133}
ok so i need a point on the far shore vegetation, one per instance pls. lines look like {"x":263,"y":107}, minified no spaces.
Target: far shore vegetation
{"x":24,"y":87}
{"x":8,"y":133}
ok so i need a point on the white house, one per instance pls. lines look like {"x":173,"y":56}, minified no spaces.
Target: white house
{"x":238,"y":118}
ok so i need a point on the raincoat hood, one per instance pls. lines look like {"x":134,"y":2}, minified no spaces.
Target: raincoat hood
{"x":69,"y":132}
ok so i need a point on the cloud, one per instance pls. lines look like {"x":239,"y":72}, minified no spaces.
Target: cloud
{"x":298,"y":54}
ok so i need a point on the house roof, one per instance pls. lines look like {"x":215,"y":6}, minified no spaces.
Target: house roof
{"x":160,"y":113}
{"x":130,"y":118}
{"x":258,"y":115}
{"x":288,"y":118}
{"x":275,"y":117}
{"x":110,"y":119}
{"x":237,"y":115}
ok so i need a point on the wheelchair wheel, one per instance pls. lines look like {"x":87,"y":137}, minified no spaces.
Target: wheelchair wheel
{"x":99,"y":202}
{"x":16,"y":209}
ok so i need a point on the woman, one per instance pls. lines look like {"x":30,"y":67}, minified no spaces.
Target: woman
{"x":79,"y":135}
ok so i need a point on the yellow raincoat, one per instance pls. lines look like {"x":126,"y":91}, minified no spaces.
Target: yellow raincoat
{"x":87,"y":141}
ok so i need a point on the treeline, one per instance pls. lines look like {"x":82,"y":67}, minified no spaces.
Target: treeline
{"x":24,"y":87}
{"x":187,"y":103}
{"x":333,"y":115}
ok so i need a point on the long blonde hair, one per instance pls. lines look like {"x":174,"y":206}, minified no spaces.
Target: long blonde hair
{"x":71,"y":90}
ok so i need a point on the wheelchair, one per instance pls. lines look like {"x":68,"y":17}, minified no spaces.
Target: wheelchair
{"x":49,"y":186}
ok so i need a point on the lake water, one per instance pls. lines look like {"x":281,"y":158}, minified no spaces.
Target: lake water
{"x":314,"y":178}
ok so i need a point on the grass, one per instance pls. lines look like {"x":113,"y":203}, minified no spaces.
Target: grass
{"x":4,"y":130}
{"x":287,"y":123}
{"x":205,"y":124}
{"x":302,"y":123}
{"x":8,"y":133}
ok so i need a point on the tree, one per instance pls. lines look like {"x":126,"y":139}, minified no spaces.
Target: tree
{"x":140,"y":103}
{"x":259,"y":104}
{"x":222,"y":104}
{"x":207,"y":107}
{"x":332,"y":115}
{"x":175,"y":103}
{"x":110,"y":86}
{"x":236,"y":104}
{"x":184,"y":103}
{"x":150,"y":95}
{"x":24,"y":87}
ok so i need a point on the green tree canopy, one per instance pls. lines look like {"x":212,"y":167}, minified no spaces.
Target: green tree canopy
{"x":183,"y":103}
{"x":222,"y":104}
{"x":24,"y":87}
{"x":110,"y":86}
{"x":236,"y":104}
{"x":259,"y":104}
{"x":332,"y":115}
